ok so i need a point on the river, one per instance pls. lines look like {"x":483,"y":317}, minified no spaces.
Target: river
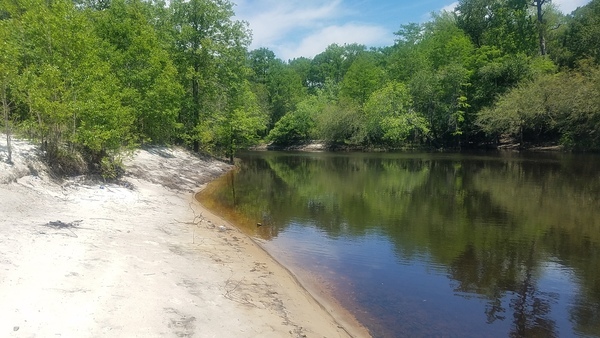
{"x":432,"y":244}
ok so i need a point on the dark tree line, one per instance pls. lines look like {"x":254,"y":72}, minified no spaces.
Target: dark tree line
{"x":87,"y":79}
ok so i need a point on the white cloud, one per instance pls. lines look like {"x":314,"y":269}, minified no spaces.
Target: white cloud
{"x":272,"y":21}
{"x":350,"y":33}
{"x":450,"y":8}
{"x":568,"y":6}
{"x":295,"y":28}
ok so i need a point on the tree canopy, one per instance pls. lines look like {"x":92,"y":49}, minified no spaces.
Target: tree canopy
{"x":90,"y":78}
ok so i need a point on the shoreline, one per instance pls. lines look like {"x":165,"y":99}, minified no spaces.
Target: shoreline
{"x":320,"y":146}
{"x":342,"y":318}
{"x":311,"y":283}
{"x":86,"y":259}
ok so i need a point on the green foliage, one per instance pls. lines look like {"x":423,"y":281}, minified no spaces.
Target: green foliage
{"x":362,"y":78}
{"x":444,"y":43}
{"x":504,"y":24}
{"x":210,"y":53}
{"x":440,"y":97}
{"x":547,"y":106}
{"x":233,"y":129}
{"x":286,"y":91}
{"x":494,"y":74}
{"x":95,"y":77}
{"x":390,"y":117}
{"x":278,"y":85}
{"x":397,"y":129}
{"x":578,"y":112}
{"x":339,"y":123}
{"x":301,"y":66}
{"x":332,"y":64}
{"x":9,"y":58}
{"x":291,"y":129}
{"x":582,"y":36}
{"x":105,"y":125}
{"x":262,"y":61}
{"x":407,"y":57}
{"x":435,"y":61}
{"x":297,"y":126}
{"x":473,"y":19}
{"x":111,"y":168}
{"x":67,"y":87}
{"x":144,"y":69}
{"x":9,"y":66}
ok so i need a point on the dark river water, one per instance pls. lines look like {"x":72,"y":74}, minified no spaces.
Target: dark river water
{"x":433,"y":245}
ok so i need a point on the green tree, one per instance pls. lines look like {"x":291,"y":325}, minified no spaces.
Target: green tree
{"x":494,"y":73}
{"x":299,"y":125}
{"x":547,"y":109}
{"x":519,"y":112}
{"x":262,"y":62}
{"x":391,"y":118}
{"x":444,"y":42}
{"x":505,"y":24}
{"x":338,"y":120}
{"x":582,"y":37}
{"x":556,"y":25}
{"x":301,"y":66}
{"x":210,"y":54}
{"x":144,"y":69}
{"x":285,"y":90}
{"x":406,"y":56}
{"x":69,"y":90}
{"x":236,"y":127}
{"x":362,"y":78}
{"x":332,"y":64}
{"x":339,"y":123}
{"x":439,"y":88}
{"x":441,"y":97}
{"x":278,"y":82}
{"x":473,"y":17}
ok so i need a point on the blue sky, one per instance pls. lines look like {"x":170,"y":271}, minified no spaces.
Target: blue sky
{"x":294,"y":28}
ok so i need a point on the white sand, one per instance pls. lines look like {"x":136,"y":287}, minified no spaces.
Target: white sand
{"x":141,"y":259}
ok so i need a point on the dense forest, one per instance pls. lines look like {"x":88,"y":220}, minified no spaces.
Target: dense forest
{"x":90,"y":78}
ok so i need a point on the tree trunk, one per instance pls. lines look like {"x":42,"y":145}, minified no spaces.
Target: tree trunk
{"x":231,"y":150}
{"x":540,"y":23}
{"x":6,"y":110}
{"x":196,"y":105}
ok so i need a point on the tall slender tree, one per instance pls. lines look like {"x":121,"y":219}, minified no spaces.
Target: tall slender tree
{"x":210,"y":50}
{"x":541,"y":25}
{"x":8,"y":72}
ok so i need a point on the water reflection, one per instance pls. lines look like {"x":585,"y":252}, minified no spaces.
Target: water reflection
{"x":486,"y":226}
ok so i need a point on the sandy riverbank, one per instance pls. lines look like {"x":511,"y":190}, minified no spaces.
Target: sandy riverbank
{"x":140,"y":259}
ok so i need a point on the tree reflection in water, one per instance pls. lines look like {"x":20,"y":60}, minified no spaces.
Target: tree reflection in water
{"x":493,"y":222}
{"x":511,"y":281}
